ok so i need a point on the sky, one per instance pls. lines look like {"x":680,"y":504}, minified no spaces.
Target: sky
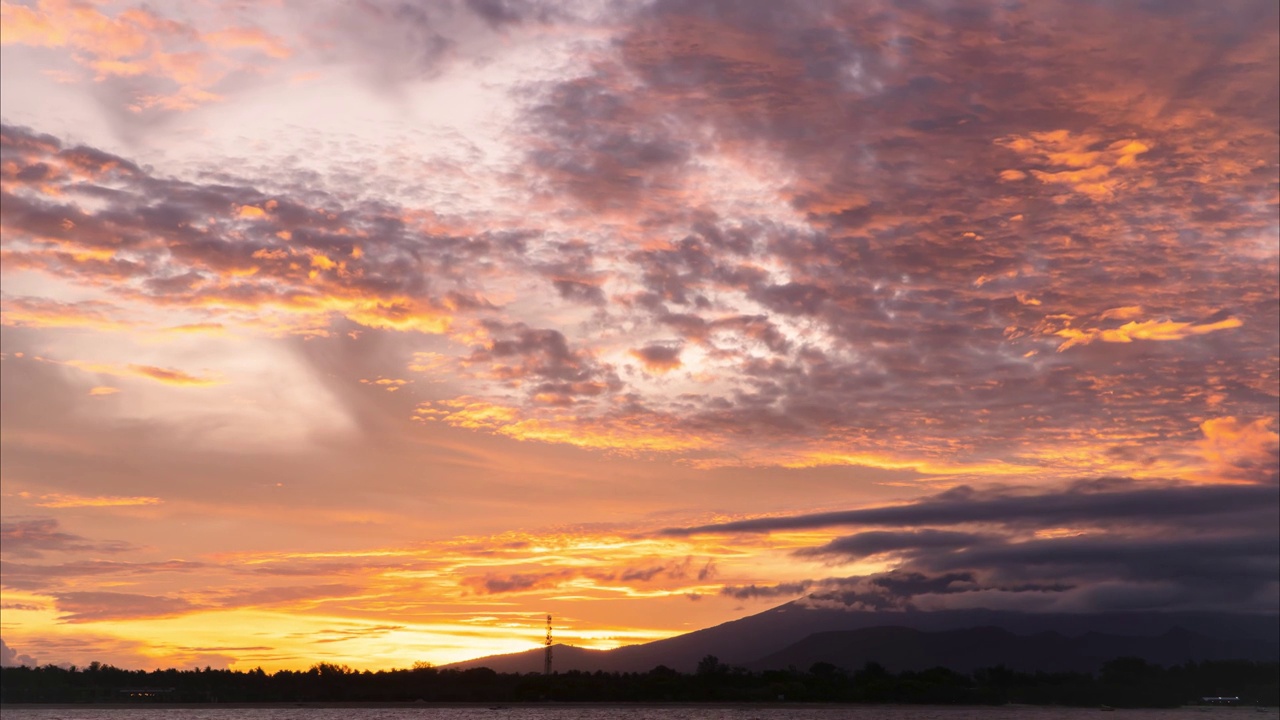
{"x":370,"y":332}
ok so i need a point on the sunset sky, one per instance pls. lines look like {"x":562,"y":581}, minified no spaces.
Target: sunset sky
{"x":372,"y":331}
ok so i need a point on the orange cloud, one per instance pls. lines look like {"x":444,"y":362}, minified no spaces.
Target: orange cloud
{"x":388,"y":384}
{"x":623,"y":435}
{"x":829,"y":457}
{"x":41,"y":312}
{"x":139,"y":43}
{"x":214,"y":328}
{"x":1122,"y":313}
{"x":60,"y":500}
{"x":1145,"y":330}
{"x":20,"y":24}
{"x":167,"y":376}
{"x":1077,"y":164}
{"x":403,"y":314}
{"x":1239,"y":449}
{"x":254,"y":38}
{"x":430,"y":362}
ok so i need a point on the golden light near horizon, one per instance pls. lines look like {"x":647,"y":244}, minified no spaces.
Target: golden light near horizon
{"x":336,"y":333}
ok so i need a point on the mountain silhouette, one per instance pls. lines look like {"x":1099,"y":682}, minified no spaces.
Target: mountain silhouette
{"x":900,"y":648}
{"x":797,"y":635}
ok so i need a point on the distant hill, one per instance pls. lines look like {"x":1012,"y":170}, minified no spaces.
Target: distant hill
{"x":761,"y":640}
{"x":900,"y":648}
{"x":565,"y":658}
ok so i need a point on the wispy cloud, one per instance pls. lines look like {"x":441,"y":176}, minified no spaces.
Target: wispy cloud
{"x":63,"y":500}
{"x":32,"y":537}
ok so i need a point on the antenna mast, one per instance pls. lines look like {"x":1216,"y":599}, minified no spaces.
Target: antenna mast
{"x":546,"y":662}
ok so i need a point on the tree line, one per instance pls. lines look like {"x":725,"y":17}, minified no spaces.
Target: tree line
{"x":1124,"y":682}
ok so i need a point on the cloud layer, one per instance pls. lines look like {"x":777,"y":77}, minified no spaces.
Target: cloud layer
{"x":1101,"y":545}
{"x":347,"y":302}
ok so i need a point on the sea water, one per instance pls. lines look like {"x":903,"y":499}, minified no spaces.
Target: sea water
{"x":622,"y":712}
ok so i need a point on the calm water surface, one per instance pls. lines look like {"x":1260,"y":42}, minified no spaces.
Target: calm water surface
{"x":634,"y":713}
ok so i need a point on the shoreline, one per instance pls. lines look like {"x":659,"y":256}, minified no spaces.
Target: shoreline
{"x":476,"y":705}
{"x":772,"y":705}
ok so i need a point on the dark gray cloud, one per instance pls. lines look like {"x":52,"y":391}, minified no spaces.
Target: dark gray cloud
{"x":901,"y":590}
{"x":394,"y":42}
{"x":32,"y":537}
{"x":1245,"y":561}
{"x":1099,"y":545}
{"x":657,"y":571}
{"x":494,"y":584}
{"x":658,"y":357}
{"x":1082,"y":504}
{"x":877,"y":542}
{"x":10,"y":657}
{"x":29,"y":576}
{"x":592,"y":143}
{"x":541,"y":360}
{"x":572,"y":271}
{"x":84,"y":607}
{"x":751,"y":592}
{"x":914,"y":583}
{"x":668,"y":570}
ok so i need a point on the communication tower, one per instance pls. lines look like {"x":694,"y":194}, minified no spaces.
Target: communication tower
{"x":546,"y":662}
